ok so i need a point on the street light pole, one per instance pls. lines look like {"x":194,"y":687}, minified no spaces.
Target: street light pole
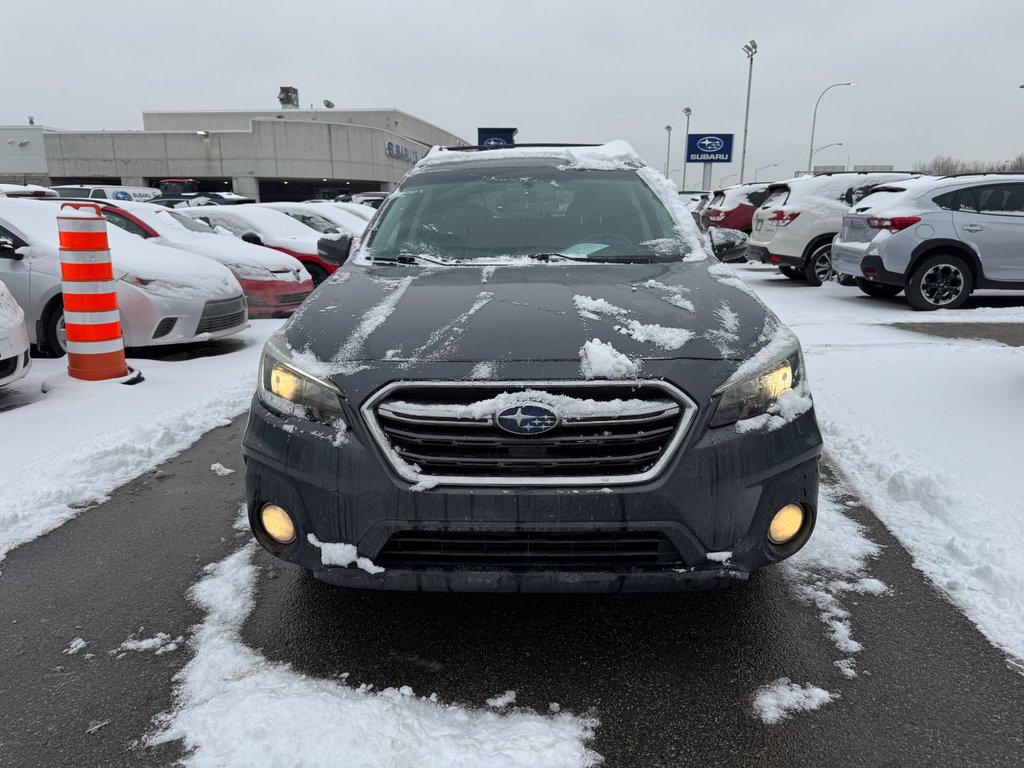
{"x":758,"y":170}
{"x":750,"y":49}
{"x":814,"y":121}
{"x":668,"y":149}
{"x":686,"y":144}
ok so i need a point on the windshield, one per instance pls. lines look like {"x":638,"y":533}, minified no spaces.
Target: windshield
{"x":501,"y":213}
{"x":193,"y":225}
{"x":320,"y":224}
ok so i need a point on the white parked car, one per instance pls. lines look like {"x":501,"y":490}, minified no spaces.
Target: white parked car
{"x":274,"y":283}
{"x":163,"y":298}
{"x":14,"y":358}
{"x":364,"y":212}
{"x":316,"y":216}
{"x":793,"y":228}
{"x":106,"y":192}
{"x":274,"y":229}
{"x":25,"y":190}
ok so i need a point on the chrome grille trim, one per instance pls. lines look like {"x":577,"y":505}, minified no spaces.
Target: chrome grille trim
{"x":677,"y":405}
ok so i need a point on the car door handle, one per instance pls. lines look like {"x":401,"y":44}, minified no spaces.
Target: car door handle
{"x":972,"y":228}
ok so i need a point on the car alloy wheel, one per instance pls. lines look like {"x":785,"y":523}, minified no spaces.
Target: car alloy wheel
{"x":819,"y":265}
{"x":942,"y":284}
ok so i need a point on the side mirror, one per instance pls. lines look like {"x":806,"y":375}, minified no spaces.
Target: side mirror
{"x":8,"y":250}
{"x":252,"y":237}
{"x":335,"y":249}
{"x":728,"y":245}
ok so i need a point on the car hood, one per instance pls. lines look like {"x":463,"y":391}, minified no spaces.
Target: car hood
{"x":697,"y":310}
{"x":230,"y":250}
{"x":303,"y":245}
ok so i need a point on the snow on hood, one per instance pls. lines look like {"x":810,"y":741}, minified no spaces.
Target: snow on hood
{"x":224,"y":248}
{"x":181,"y":275}
{"x":348,"y":222}
{"x":408,"y":315}
{"x":11,"y":314}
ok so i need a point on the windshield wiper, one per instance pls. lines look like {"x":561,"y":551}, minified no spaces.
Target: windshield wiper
{"x":407,"y":260}
{"x":553,"y":256}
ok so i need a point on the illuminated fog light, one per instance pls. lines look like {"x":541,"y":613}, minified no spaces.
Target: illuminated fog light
{"x":277,"y":523}
{"x":786,"y":524}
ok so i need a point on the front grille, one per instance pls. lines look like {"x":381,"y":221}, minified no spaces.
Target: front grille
{"x":292,"y":298}
{"x":607,"y":433}
{"x":529,"y":550}
{"x":221,"y":315}
{"x":8,"y":366}
{"x":164,"y":327}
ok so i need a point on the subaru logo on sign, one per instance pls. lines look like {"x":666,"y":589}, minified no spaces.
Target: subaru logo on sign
{"x":710,"y":144}
{"x":495,"y":142}
{"x":527,"y":419}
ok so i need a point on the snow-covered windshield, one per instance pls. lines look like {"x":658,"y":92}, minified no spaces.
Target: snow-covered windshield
{"x":544,"y":212}
{"x":776,"y":197}
{"x":193,"y":225}
{"x":319,"y":223}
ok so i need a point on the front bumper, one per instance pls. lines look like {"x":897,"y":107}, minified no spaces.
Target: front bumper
{"x":274,"y":298}
{"x":717,"y":494}
{"x":148,"y":319}
{"x":15,"y":361}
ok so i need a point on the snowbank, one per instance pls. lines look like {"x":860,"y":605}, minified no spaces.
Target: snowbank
{"x":233,"y":708}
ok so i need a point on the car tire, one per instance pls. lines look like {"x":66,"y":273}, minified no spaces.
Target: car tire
{"x":942,"y":281}
{"x":818,"y":267}
{"x":793,"y":273}
{"x":318,"y":273}
{"x":53,"y":343}
{"x":878,"y":290}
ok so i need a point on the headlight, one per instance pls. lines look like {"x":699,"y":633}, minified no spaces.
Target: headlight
{"x":249,"y":272}
{"x":289,"y":391}
{"x":745,"y":396}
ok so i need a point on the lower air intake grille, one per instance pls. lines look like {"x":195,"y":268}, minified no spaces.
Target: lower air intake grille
{"x":8,"y":366}
{"x":164,"y":327}
{"x":529,"y":550}
{"x":221,"y":315}
{"x":604,"y":433}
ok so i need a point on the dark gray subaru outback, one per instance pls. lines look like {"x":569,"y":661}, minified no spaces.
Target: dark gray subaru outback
{"x":532,"y":377}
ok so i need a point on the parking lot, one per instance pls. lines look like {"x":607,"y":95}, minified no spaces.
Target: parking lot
{"x":873,"y":628}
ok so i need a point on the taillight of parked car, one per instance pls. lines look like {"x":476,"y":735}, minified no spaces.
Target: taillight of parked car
{"x":782,"y":218}
{"x":893,"y":224}
{"x":716,"y":215}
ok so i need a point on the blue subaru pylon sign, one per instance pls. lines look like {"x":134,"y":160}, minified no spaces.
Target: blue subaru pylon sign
{"x":709,"y":148}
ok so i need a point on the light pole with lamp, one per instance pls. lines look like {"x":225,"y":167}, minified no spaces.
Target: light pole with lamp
{"x":816,"y":150}
{"x":686,"y":144}
{"x":750,"y":49}
{"x":721,"y":181}
{"x":814,"y":120}
{"x":763,"y":167}
{"x":668,"y":149}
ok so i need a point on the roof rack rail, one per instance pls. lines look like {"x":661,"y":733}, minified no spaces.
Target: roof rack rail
{"x":861,"y":173}
{"x":483,"y":147}
{"x":978,"y":173}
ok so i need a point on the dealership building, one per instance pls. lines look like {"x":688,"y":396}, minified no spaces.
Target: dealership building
{"x":279,"y":154}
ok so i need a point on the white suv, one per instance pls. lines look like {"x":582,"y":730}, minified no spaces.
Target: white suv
{"x":794,"y":227}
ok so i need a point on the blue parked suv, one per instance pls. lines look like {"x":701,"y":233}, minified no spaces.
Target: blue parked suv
{"x":938,"y":239}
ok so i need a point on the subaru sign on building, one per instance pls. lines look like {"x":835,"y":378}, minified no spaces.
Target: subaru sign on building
{"x":709,"y":148}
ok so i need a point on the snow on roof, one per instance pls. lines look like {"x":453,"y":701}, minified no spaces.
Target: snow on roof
{"x":26,"y":190}
{"x":614,"y":155}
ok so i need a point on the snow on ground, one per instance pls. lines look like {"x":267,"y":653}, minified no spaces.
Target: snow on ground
{"x":926,"y":431}
{"x":776,"y":701}
{"x":71,"y":446}
{"x":233,"y":707}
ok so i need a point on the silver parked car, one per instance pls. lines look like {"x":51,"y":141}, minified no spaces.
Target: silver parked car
{"x":163,"y":297}
{"x":937,"y":238}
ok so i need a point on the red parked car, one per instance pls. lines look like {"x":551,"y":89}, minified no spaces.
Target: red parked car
{"x":733,"y":207}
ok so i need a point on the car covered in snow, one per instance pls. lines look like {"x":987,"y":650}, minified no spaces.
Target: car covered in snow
{"x":794,"y":227}
{"x":163,"y":298}
{"x":14,"y":346}
{"x":274,"y":283}
{"x":276,"y":229}
{"x":938,"y":238}
{"x":326,"y":219}
{"x":733,"y":207}
{"x":532,"y":376}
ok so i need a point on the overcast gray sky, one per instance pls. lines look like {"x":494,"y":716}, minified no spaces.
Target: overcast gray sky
{"x":932,"y":77}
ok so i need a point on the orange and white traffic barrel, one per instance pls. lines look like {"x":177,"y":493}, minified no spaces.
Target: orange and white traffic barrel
{"x":94,"y":340}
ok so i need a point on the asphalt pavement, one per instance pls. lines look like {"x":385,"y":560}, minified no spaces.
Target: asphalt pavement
{"x":671,"y":677}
